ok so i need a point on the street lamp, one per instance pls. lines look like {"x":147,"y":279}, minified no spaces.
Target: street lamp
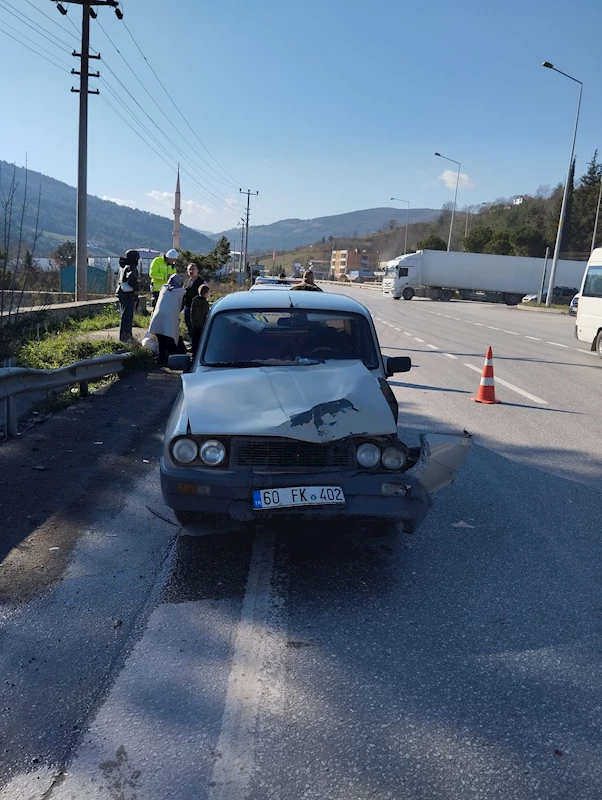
{"x":405,"y":246}
{"x":451,"y":225}
{"x":566,"y":188}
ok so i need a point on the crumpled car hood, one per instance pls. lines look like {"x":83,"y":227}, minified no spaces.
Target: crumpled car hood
{"x":319,"y":403}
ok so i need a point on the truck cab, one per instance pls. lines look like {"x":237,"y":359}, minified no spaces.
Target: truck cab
{"x":400,"y":278}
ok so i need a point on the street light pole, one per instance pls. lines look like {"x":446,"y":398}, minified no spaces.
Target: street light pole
{"x":451,"y":225}
{"x":397,"y":199}
{"x":566,"y":188}
{"x":597,"y":217}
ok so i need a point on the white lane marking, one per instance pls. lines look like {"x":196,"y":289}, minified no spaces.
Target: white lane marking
{"x":433,"y":347}
{"x":450,"y":355}
{"x":512,"y":387}
{"x":398,"y":330}
{"x":234,"y":764}
{"x":447,"y":316}
{"x":480,"y":324}
{"x":512,"y":333}
{"x":493,"y":328}
{"x":419,"y":340}
{"x":556,"y":344}
{"x":457,"y":319}
{"x":405,"y":333}
{"x":535,"y":339}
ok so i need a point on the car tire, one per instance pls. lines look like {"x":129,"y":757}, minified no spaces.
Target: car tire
{"x":599,"y":344}
{"x":398,"y":297}
{"x":408,"y":294}
{"x":186,"y":517}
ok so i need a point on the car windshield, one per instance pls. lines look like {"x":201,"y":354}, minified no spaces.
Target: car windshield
{"x":294,"y":337}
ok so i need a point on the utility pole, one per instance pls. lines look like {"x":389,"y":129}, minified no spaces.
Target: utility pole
{"x":246,"y":247}
{"x":81,"y":237}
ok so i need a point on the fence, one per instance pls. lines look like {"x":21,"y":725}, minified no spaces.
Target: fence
{"x":19,"y":380}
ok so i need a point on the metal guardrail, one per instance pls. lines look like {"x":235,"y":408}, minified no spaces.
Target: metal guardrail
{"x":20,"y":380}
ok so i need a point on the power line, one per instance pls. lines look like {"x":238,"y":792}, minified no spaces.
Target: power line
{"x":11,"y":36}
{"x":210,"y":177}
{"x":195,"y":134}
{"x":14,"y":13}
{"x":199,"y":187}
{"x":54,"y":22}
{"x":161,"y":131}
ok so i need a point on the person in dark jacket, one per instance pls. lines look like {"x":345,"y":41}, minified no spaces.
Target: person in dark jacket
{"x":127,"y":292}
{"x":308,"y":284}
{"x":199,"y":310}
{"x":192,"y":284}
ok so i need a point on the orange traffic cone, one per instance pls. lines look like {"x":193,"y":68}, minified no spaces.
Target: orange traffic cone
{"x":486,"y":393}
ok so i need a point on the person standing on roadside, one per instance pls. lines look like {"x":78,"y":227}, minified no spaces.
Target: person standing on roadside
{"x":127,"y":293}
{"x":199,"y":310}
{"x":161,"y":269}
{"x":165,"y":322}
{"x":192,"y":284}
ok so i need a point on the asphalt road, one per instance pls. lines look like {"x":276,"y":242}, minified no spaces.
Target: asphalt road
{"x":464,"y":661}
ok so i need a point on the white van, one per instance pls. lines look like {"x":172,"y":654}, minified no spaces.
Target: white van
{"x":588,"y":327}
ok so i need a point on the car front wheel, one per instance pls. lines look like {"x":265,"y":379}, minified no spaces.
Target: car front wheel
{"x":599,"y":344}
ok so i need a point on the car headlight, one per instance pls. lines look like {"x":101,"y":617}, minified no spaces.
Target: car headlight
{"x":185,"y":450}
{"x":212,"y":453}
{"x":393,"y":458}
{"x":368,"y":455}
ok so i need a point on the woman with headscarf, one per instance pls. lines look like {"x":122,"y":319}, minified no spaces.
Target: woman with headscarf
{"x":165,"y":322}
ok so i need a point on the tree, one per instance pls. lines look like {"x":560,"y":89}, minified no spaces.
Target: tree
{"x":478,"y":239}
{"x":208,"y":264}
{"x":527,"y":241}
{"x":65,"y":254}
{"x":585,"y":204}
{"x":392,"y":224}
{"x":500,"y":244}
{"x":431,"y":242}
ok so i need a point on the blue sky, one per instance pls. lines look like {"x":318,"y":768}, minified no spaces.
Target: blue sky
{"x":324,"y":107}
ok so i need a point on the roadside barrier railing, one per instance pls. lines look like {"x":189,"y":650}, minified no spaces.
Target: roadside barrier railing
{"x":20,"y":380}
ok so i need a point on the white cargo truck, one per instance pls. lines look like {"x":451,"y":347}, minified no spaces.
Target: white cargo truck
{"x":441,"y":275}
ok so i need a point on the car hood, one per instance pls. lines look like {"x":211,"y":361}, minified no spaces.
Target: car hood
{"x":318,"y":403}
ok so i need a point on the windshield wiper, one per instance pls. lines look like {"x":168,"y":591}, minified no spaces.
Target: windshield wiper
{"x":233,"y":364}
{"x":266,"y":362}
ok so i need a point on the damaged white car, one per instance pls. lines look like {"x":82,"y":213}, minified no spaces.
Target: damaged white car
{"x":286,"y":410}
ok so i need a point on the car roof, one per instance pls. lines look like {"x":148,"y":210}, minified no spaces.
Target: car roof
{"x":284,"y":299}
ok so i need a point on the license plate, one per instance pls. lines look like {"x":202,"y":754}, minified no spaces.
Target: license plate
{"x":264,"y":499}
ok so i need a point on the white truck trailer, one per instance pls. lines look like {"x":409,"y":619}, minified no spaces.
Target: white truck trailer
{"x":441,"y":275}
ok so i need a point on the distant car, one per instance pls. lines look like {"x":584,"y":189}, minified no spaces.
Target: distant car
{"x":274,"y":283}
{"x":573,"y":306}
{"x":562,"y":295}
{"x":286,"y":410}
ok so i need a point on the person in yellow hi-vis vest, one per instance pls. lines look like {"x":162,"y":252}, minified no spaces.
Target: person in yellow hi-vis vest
{"x":161,"y":269}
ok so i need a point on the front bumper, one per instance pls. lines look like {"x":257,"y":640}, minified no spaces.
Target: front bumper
{"x":396,"y":496}
{"x":391,"y":496}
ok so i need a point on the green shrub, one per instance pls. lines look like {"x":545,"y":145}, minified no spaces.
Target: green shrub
{"x":61,"y":349}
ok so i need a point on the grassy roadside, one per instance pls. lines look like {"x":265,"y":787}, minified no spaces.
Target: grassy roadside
{"x":542,"y":306}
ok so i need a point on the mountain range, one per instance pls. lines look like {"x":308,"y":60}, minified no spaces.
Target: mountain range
{"x":114,"y":228}
{"x":290,"y":233}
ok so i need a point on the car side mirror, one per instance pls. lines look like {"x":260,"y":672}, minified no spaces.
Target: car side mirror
{"x":180,"y":363}
{"x":395,"y":364}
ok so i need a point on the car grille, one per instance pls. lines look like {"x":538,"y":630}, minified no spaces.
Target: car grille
{"x":287,"y":454}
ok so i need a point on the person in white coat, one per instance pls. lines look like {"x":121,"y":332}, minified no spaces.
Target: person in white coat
{"x":165,"y":322}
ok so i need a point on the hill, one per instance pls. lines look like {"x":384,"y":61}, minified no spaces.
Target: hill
{"x":112,"y":228}
{"x":289,"y":233}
